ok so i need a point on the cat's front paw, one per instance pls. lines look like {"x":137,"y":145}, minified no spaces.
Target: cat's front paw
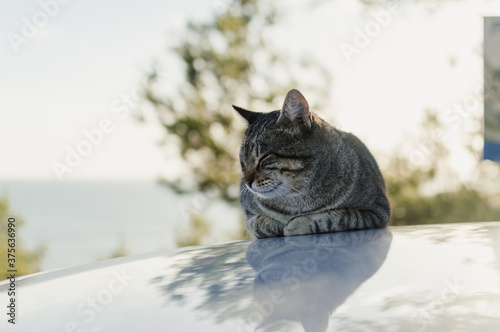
{"x":261,"y":227}
{"x":298,"y":226}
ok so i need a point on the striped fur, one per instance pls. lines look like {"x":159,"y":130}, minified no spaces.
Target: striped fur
{"x":303,"y":176}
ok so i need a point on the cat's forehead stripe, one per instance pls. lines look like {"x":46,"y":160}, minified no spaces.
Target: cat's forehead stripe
{"x":255,"y":130}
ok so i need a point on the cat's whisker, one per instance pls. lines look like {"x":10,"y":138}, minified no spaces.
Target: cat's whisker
{"x":290,"y":189}
{"x":281,"y":194}
{"x":241,"y":190}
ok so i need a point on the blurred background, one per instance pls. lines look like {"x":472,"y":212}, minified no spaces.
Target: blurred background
{"x":117,"y":135}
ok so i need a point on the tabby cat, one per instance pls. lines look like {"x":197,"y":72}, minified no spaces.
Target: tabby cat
{"x":303,"y":176}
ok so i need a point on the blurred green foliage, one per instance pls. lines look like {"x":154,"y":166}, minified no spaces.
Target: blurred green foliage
{"x":228,"y":60}
{"x":461,"y":202}
{"x":26,"y":261}
{"x":120,"y":251}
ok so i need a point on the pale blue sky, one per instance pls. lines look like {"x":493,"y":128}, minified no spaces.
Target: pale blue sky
{"x":65,"y":79}
{"x":71,"y":74}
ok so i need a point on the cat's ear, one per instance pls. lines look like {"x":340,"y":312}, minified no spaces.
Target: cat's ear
{"x":250,"y":116}
{"x":296,"y":109}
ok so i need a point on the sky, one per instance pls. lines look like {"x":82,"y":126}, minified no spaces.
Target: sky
{"x":70,"y":70}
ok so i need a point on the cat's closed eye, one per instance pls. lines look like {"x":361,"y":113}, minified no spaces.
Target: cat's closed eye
{"x":282,"y":164}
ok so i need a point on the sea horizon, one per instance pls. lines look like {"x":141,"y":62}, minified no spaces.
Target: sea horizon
{"x":79,"y":222}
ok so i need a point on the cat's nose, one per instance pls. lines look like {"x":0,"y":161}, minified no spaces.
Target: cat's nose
{"x":249,"y":179}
